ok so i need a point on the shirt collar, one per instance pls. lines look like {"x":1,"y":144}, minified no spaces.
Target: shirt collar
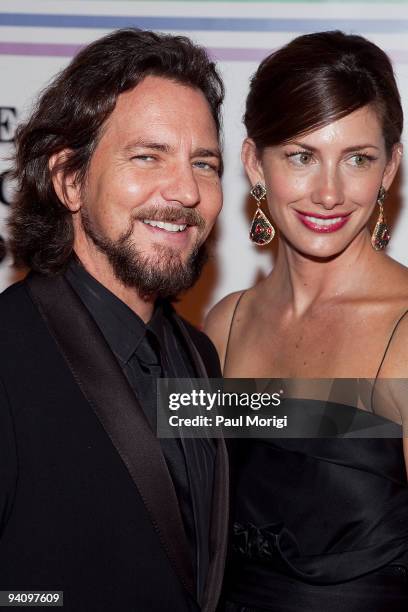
{"x":123,"y":329}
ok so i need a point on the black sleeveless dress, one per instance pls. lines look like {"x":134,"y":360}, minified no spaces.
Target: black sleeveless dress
{"x":319,"y":524}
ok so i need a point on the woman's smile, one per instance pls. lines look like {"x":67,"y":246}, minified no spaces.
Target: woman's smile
{"x":323,"y":223}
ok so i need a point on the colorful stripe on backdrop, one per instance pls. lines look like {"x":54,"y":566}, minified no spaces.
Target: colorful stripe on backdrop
{"x":276,"y":1}
{"x":215,"y":24}
{"x":226,"y":54}
{"x":189,"y":24}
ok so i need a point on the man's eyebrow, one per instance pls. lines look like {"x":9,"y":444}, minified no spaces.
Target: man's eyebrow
{"x":147,"y":144}
{"x":207,"y":153}
{"x":165,"y":148}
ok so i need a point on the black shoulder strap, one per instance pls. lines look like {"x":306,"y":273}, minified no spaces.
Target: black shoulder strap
{"x":389,"y":342}
{"x":387,"y":346}
{"x":234,"y":312}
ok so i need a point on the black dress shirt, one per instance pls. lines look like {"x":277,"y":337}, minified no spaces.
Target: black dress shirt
{"x":146,"y":352}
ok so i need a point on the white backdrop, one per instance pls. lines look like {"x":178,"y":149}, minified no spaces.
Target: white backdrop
{"x":38,"y":38}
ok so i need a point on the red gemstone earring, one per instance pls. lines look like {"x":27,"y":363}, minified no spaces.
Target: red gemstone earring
{"x":381,"y":235}
{"x":262,"y":230}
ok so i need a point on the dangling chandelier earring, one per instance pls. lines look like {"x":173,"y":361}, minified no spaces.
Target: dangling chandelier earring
{"x":262,"y":230}
{"x":381,"y":235}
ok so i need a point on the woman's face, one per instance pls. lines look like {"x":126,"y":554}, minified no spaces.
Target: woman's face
{"x":322,"y":187}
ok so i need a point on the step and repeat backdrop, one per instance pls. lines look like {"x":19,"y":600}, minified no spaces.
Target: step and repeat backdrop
{"x":38,"y":38}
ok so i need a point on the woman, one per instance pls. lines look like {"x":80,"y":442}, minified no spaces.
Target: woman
{"x":321,"y":524}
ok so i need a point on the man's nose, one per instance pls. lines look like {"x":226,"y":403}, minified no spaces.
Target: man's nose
{"x":328,"y":190}
{"x":182,"y":186}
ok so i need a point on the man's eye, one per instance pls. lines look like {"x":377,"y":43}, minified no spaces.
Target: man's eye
{"x":299,"y":158}
{"x":203,"y":165}
{"x":144,"y":157}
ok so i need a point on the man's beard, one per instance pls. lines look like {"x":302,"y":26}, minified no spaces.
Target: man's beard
{"x":159,"y":275}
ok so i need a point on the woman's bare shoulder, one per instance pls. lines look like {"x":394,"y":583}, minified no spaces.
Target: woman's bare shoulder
{"x":395,"y":274}
{"x":218,"y":321}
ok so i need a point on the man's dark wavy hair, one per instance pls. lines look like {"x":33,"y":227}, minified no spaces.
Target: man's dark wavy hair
{"x":70,"y":114}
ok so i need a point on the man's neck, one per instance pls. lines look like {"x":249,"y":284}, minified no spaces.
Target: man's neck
{"x":103,"y":273}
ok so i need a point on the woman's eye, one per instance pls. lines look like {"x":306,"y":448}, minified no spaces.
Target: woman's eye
{"x":300,"y":158}
{"x":361,"y":160}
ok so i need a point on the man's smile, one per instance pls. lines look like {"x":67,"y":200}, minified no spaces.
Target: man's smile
{"x":168,"y":227}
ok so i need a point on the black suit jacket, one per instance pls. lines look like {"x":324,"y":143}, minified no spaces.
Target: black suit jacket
{"x":87,"y":504}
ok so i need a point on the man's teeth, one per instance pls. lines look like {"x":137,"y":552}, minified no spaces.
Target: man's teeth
{"x":169,"y":227}
{"x":323,"y":222}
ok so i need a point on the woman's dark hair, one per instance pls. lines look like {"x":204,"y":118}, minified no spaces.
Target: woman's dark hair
{"x":70,"y":114}
{"x":317,"y":79}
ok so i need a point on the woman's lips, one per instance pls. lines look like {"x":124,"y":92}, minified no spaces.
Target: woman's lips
{"x":323,"y":223}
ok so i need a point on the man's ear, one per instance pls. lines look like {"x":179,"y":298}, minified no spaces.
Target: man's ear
{"x":65,"y":186}
{"x":251,"y":161}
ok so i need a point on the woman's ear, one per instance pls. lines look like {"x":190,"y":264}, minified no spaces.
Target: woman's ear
{"x":392,"y":165}
{"x":65,"y":186}
{"x":252,"y":163}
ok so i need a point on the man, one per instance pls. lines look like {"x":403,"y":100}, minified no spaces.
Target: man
{"x":119,"y":185}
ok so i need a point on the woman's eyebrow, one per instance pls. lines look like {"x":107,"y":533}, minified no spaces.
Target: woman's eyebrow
{"x":349,"y":149}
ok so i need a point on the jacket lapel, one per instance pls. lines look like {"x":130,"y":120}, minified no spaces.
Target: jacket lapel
{"x":219,"y":530}
{"x":107,"y":390}
{"x":198,"y":364}
{"x":220,"y":502}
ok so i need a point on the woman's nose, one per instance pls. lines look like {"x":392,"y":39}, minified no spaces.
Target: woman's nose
{"x":328,"y":190}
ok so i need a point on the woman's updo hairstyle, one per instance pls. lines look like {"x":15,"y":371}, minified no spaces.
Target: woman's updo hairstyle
{"x":317,"y":79}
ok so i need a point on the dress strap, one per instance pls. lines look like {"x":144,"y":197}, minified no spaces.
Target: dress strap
{"x":230,"y":326}
{"x":389,"y":342}
{"x":390,"y":339}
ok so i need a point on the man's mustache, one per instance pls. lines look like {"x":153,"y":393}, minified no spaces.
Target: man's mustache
{"x":171,"y":214}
